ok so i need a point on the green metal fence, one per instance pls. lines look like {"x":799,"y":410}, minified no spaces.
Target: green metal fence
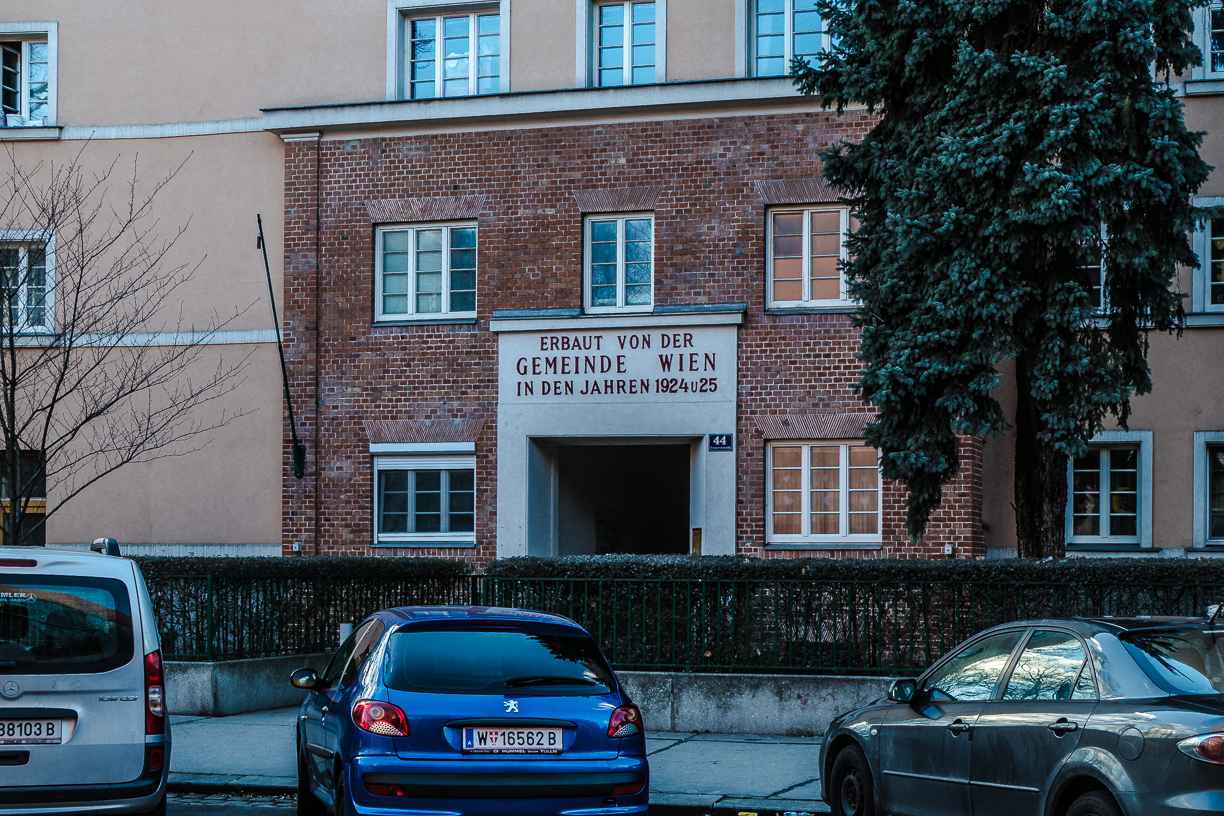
{"x":825,"y":627}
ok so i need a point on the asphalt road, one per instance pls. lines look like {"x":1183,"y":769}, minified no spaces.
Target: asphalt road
{"x":199,"y":804}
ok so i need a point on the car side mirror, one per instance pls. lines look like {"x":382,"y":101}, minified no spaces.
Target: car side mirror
{"x":304,"y":679}
{"x":903,"y":690}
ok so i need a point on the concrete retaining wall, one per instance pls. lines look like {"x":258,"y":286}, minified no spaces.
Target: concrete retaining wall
{"x":722,"y":703}
{"x":747,"y":703}
{"x":236,"y":686}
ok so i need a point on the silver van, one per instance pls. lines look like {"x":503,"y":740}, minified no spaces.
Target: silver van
{"x":83,"y":726}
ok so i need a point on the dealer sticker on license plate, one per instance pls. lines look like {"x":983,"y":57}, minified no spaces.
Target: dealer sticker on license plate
{"x":512,"y":740}
{"x":30,"y":732}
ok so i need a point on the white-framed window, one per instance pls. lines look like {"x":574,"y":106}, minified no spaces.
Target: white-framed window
{"x":620,"y":43}
{"x":822,"y":492}
{"x":1109,"y":490}
{"x":619,"y":263}
{"x":805,"y":248}
{"x":1209,"y":489}
{"x":27,"y":272}
{"x":424,"y":500}
{"x":1209,"y":36}
{"x":28,"y":54}
{"x":1207,"y":282}
{"x":425,"y":271}
{"x":1091,"y":269}
{"x":439,"y":49}
{"x":625,"y":40}
{"x":783,"y":30}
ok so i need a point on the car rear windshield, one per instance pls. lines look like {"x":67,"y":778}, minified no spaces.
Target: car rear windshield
{"x":476,"y":661}
{"x":63,"y":625}
{"x":1182,"y":661}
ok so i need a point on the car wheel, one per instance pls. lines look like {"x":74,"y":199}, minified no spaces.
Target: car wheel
{"x":1095,"y":803}
{"x":850,"y":784}
{"x":342,"y":799}
{"x":307,"y":803}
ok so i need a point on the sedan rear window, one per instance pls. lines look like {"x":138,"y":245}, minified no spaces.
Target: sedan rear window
{"x":1182,"y":661}
{"x":63,"y":625}
{"x":496,"y":662}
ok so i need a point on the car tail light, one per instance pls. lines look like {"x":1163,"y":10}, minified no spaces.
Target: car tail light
{"x":1208,"y":748}
{"x":628,"y":789}
{"x":155,"y":757}
{"x":383,"y":719}
{"x":18,"y":562}
{"x":626,"y":721}
{"x":384,"y":790}
{"x":155,"y":694}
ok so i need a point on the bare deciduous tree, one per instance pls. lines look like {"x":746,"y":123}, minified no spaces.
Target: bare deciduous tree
{"x":99,"y":365}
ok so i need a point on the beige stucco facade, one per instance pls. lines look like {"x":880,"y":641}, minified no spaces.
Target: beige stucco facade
{"x":191,"y":87}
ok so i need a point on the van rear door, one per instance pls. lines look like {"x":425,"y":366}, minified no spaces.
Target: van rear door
{"x":72,"y":708}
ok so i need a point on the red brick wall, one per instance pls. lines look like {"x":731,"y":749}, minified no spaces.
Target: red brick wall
{"x":709,"y":248}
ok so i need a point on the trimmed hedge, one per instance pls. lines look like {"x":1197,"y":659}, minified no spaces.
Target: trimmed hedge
{"x":307,"y":567}
{"x":1117,"y":571}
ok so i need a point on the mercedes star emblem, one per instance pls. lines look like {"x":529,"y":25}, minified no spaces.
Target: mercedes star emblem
{"x":11,"y":689}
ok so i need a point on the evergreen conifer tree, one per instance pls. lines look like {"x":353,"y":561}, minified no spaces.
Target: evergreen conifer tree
{"x":1024,"y":152}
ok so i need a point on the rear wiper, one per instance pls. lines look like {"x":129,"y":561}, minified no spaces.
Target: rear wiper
{"x":515,"y":682}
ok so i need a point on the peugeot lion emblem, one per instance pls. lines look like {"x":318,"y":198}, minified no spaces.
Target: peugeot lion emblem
{"x":11,"y":690}
{"x":511,"y":705}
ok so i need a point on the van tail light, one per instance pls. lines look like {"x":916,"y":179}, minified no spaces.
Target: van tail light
{"x":155,"y":694}
{"x":155,"y":757}
{"x":1207,"y":748}
{"x":383,"y":719}
{"x":628,"y":788}
{"x":626,"y":721}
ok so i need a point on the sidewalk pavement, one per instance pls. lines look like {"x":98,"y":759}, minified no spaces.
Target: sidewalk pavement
{"x":694,"y":774}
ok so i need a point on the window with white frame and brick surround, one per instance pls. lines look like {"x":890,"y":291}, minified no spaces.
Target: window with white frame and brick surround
{"x":26,"y":274}
{"x":425,"y":501}
{"x":425,"y":272}
{"x":619,"y":263}
{"x":806,"y":248}
{"x":823,"y":493}
{"x":783,"y":30}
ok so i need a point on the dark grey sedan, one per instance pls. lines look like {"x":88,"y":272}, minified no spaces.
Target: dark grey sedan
{"x":1080,"y":717}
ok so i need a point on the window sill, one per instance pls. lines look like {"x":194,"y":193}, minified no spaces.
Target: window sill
{"x":427,"y":321}
{"x":1203,"y":87}
{"x":417,"y":544}
{"x":806,"y":310}
{"x":1196,"y":319}
{"x":824,"y":545}
{"x":48,"y":133}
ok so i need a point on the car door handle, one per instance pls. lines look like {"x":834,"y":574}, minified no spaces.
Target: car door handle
{"x":1063,"y":726}
{"x":959,"y":727}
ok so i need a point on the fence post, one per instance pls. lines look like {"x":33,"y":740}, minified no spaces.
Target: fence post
{"x":209,"y":629}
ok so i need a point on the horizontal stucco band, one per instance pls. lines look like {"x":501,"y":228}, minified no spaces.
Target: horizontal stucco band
{"x":815,"y":426}
{"x":443,"y":208}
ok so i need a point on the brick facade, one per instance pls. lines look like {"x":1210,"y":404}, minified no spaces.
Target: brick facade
{"x":709,"y":249}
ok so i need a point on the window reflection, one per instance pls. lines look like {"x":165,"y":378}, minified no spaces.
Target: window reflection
{"x":974,"y":672}
{"x":1047,"y":669}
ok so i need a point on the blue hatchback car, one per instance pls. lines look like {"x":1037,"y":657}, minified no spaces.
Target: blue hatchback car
{"x":466,"y":711}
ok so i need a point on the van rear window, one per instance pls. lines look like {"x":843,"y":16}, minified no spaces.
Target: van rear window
{"x":64,"y":625}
